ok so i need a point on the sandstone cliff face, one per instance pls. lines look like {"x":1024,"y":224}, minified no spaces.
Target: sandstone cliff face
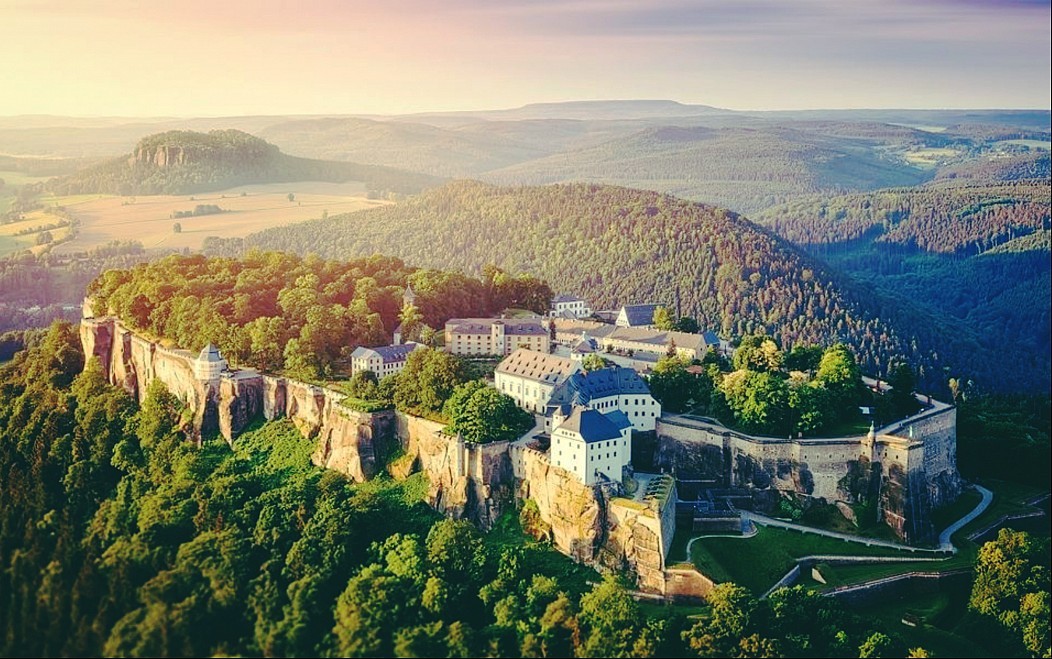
{"x":576,"y":512}
{"x":465,"y":481}
{"x":240,"y":402}
{"x":635,"y":542}
{"x":348,"y":441}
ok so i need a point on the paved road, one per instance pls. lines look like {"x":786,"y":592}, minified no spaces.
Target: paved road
{"x":945,"y":538}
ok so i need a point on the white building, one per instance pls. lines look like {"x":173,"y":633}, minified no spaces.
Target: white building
{"x":531,"y":377}
{"x":569,"y":306}
{"x":496,"y":336}
{"x":209,"y":364}
{"x":591,"y":444}
{"x":384,"y":360}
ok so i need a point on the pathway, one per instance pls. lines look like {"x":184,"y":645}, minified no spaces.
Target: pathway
{"x":945,"y":538}
{"x":748,"y":531}
{"x":763,"y":520}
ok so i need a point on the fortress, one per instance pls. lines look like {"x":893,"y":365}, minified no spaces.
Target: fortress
{"x":908,"y":467}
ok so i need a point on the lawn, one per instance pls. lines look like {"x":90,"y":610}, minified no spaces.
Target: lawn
{"x":1009,"y":498}
{"x":760,"y":561}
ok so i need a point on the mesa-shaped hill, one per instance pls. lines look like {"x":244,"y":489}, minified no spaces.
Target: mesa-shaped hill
{"x":616,"y":245}
{"x":185,"y":162}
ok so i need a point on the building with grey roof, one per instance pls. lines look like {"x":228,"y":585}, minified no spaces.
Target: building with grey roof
{"x":590,"y":444}
{"x":382,"y":360}
{"x":496,"y":336}
{"x":636,"y":315}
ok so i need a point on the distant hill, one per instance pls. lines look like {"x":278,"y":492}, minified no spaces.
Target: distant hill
{"x":185,"y":162}
{"x":962,"y":249}
{"x":588,"y":110}
{"x":406,"y":145}
{"x":742,"y":168}
{"x":615,"y":245}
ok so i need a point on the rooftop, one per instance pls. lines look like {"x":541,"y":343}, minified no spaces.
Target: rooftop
{"x":639,"y":314}
{"x":591,"y":425}
{"x":514,"y":326}
{"x":584,"y":386}
{"x":387,"y":354}
{"x":210,"y":353}
{"x":537,"y":366}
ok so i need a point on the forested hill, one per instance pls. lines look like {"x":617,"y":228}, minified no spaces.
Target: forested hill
{"x":615,"y":245}
{"x":966,"y":218}
{"x":963,"y":249}
{"x":185,"y":162}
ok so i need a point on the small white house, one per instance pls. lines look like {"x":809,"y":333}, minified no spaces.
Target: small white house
{"x":384,"y":360}
{"x":590,"y":444}
{"x":570,"y":306}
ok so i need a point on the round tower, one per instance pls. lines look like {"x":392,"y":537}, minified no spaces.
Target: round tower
{"x":209,"y":364}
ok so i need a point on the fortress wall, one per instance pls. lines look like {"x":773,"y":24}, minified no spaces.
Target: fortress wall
{"x":636,"y":540}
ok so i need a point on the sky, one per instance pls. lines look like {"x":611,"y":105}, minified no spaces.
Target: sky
{"x":238,"y":57}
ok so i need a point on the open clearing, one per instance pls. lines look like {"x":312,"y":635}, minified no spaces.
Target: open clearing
{"x":1032,"y":144}
{"x":250,"y":208}
{"x":929,"y":156}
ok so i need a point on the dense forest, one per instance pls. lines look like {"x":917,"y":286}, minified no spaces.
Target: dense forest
{"x":977,"y":253}
{"x":616,"y":246}
{"x":944,"y":219}
{"x":306,"y":316}
{"x":185,"y":162}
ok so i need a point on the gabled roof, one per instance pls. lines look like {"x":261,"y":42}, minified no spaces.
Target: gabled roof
{"x":586,"y":345}
{"x":537,"y":366}
{"x":711,"y":338}
{"x":387,"y":354}
{"x":591,"y":425}
{"x":585,"y":386}
{"x":639,"y":314}
{"x":210,"y":353}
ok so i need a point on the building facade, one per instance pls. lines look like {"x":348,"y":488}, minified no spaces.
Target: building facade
{"x":383,"y":360}
{"x":569,"y":306}
{"x":590,"y":444}
{"x":496,"y":336}
{"x":530,"y":378}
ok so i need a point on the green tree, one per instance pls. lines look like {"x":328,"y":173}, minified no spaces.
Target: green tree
{"x":593,"y":362}
{"x":608,"y":620}
{"x":758,"y":353}
{"x":482,"y":414}
{"x":427,"y":381}
{"x":1012,"y":585}
{"x":663,"y":319}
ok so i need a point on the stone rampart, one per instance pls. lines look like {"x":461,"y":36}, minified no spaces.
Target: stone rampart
{"x":910,"y":465}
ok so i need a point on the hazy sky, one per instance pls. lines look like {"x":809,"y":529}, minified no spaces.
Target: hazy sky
{"x":223,"y":57}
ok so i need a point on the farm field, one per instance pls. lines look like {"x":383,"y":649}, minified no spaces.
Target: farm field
{"x":249,"y":208}
{"x":30,"y":228}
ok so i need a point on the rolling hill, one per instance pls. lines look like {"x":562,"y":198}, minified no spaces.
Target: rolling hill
{"x":615,"y":245}
{"x":186,"y":162}
{"x":962,"y":249}
{"x":742,"y":168}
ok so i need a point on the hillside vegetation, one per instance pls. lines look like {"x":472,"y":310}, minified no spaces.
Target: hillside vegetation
{"x":968,"y":251}
{"x":185,"y":162}
{"x":741,"y":168}
{"x":617,"y":246}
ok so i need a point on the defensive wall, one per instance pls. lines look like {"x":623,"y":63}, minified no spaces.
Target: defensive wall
{"x":907,"y":468}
